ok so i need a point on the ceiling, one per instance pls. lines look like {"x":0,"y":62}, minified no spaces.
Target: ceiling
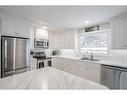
{"x":67,"y":16}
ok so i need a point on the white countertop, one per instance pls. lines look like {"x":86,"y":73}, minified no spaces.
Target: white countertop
{"x":33,"y":59}
{"x":105,"y":62}
{"x":47,"y":78}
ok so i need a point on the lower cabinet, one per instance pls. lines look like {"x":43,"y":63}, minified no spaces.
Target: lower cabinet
{"x":82,"y":70}
{"x":94,"y":72}
{"x":33,"y":64}
{"x":87,"y":70}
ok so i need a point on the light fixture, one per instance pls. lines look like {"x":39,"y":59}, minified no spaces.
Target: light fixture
{"x":87,"y":22}
{"x":44,"y":27}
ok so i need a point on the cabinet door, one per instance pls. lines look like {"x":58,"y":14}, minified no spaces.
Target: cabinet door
{"x":7,"y":27}
{"x":82,"y":70}
{"x":119,"y":39}
{"x":51,"y":40}
{"x":14,"y":27}
{"x":33,"y":65}
{"x":54,"y":62}
{"x":58,"y":63}
{"x":64,"y":64}
{"x":22,"y":29}
{"x":71,"y":40}
{"x":61,"y":40}
{"x":73,"y":67}
{"x":94,"y":72}
{"x":67,"y":65}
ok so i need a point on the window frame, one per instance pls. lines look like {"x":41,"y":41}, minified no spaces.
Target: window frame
{"x":98,"y":31}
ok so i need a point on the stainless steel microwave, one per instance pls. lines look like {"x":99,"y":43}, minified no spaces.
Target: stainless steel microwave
{"x":42,"y":43}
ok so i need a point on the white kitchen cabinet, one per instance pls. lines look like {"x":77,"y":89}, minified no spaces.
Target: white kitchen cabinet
{"x":73,"y":67}
{"x":33,"y":65}
{"x":62,"y":40}
{"x":51,"y":36}
{"x":82,"y":69}
{"x":57,"y":63}
{"x":53,"y":40}
{"x":63,"y":64}
{"x":69,"y":40}
{"x":54,"y":62}
{"x":14,"y":27}
{"x":119,"y":32}
{"x":94,"y":72}
{"x":87,"y":70}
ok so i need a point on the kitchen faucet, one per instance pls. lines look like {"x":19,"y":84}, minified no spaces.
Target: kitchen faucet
{"x":91,"y":56}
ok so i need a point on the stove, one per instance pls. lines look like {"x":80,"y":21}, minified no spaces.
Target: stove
{"x":42,"y":60}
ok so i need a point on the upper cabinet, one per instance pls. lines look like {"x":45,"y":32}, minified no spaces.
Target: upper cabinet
{"x":15,"y":27}
{"x":62,"y":39}
{"x":119,"y":33}
{"x":41,"y":34}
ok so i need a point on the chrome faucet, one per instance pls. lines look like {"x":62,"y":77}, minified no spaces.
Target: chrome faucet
{"x":91,"y":56}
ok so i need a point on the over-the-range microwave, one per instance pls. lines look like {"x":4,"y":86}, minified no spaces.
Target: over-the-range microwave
{"x":41,"y":43}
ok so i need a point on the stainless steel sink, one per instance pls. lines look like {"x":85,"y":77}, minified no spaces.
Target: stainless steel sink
{"x":86,"y":58}
{"x":91,"y":58}
{"x":95,"y":60}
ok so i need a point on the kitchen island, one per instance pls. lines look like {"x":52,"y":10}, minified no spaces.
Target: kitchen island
{"x":47,"y":78}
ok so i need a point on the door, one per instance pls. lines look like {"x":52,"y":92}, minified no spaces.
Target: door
{"x":7,"y":56}
{"x":21,"y":53}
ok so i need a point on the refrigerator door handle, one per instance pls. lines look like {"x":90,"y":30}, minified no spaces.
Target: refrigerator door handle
{"x":14,"y":54}
{"x":5,"y":54}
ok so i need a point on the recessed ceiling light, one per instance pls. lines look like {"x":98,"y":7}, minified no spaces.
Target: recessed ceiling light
{"x":87,"y":22}
{"x":44,"y":27}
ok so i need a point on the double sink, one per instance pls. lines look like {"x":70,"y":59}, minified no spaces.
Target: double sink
{"x":91,"y":56}
{"x":89,"y":59}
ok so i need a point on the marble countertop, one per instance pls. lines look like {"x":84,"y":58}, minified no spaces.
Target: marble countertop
{"x":47,"y":78}
{"x":105,"y":62}
{"x":33,"y":59}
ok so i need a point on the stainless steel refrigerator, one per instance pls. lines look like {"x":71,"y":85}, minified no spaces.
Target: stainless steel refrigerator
{"x":14,"y":55}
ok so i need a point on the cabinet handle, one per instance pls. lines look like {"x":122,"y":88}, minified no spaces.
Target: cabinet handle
{"x":5,"y":54}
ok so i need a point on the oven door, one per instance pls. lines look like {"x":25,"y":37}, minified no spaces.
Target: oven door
{"x":41,"y":43}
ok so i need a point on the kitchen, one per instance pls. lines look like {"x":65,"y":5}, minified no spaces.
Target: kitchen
{"x":78,"y":47}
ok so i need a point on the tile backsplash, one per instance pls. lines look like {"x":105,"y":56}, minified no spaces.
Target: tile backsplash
{"x":119,"y":56}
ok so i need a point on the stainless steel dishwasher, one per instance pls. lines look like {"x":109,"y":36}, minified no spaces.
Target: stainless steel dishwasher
{"x":114,"y":77}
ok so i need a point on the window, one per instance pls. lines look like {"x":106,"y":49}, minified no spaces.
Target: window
{"x":96,"y":41}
